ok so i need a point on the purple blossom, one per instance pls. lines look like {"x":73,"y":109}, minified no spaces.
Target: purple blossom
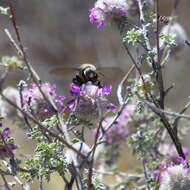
{"x":170,"y":152}
{"x":107,"y":10}
{"x":117,"y":133}
{"x":88,"y":99}
{"x":5,"y":132}
{"x":97,"y":16}
{"x":7,"y":150}
{"x":74,"y":89}
{"x":119,"y":130}
{"x":106,"y":89}
{"x":32,"y":97}
{"x":175,"y":177}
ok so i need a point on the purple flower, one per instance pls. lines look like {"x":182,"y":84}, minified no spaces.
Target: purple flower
{"x":5,"y":132}
{"x":74,"y":89}
{"x":107,"y":10}
{"x":175,"y":177}
{"x":111,"y":106}
{"x":33,"y":97}
{"x":88,"y":100}
{"x":7,"y":150}
{"x":97,"y":16}
{"x":170,"y":152}
{"x":106,"y":89}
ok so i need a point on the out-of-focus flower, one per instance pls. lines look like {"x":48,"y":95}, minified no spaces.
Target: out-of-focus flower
{"x":89,"y":100}
{"x":4,"y":188}
{"x":176,"y":177}
{"x":106,"y":10}
{"x":177,"y":32}
{"x":169,"y":151}
{"x":6,"y":148}
{"x":12,"y":62}
{"x":119,"y":131}
{"x":33,"y":98}
{"x":7,"y":110}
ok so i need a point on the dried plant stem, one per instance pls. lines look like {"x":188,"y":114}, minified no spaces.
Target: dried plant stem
{"x":120,"y":86}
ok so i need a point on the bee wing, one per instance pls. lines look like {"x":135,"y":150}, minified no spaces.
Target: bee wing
{"x":109,"y":71}
{"x":63,"y":71}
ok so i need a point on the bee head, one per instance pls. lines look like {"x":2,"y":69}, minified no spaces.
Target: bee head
{"x":90,"y":74}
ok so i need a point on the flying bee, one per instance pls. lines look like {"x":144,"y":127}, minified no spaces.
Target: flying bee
{"x":163,"y":19}
{"x":86,"y":73}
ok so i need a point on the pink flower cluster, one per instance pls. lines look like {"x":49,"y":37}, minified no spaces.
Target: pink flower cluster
{"x":105,"y":10}
{"x":119,"y":131}
{"x":174,"y":177}
{"x":34,"y":98}
{"x":6,"y":149}
{"x":89,"y":99}
{"x":170,"y":153}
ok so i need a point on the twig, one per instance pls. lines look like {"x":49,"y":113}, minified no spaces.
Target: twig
{"x":145,"y":172}
{"x":25,"y":186}
{"x":160,"y":111}
{"x":168,"y":89}
{"x":120,"y":86}
{"x":42,"y":127}
{"x":40,"y":183}
{"x":159,"y":76}
{"x":176,"y":120}
{"x":173,"y":135}
{"x":5,"y":181}
{"x":90,"y":171}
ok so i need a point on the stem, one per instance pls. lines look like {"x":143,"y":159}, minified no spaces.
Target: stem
{"x":159,"y":76}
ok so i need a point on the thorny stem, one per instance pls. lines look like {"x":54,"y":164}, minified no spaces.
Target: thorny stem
{"x":90,"y":171}
{"x":5,"y":181}
{"x":145,"y":171}
{"x":144,"y":27}
{"x":159,"y":76}
{"x":167,"y":125}
{"x":176,"y":121}
{"x":120,"y":86}
{"x":40,"y":183}
{"x":25,"y":186}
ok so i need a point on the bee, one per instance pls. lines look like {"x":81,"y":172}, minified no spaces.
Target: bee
{"x":86,"y":73}
{"x":163,"y":19}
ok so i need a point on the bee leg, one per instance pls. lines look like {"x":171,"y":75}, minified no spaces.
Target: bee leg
{"x":77,"y":80}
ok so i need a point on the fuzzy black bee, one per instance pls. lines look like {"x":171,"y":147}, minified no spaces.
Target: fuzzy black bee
{"x":88,"y":73}
{"x":163,"y":19}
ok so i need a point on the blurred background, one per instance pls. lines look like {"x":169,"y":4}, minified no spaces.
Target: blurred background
{"x":58,"y":34}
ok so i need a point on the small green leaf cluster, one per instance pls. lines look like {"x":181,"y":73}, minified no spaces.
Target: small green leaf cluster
{"x":168,"y":39}
{"x":48,"y":158}
{"x":144,"y":141}
{"x":5,"y":11}
{"x":96,"y":182}
{"x":12,"y":62}
{"x":133,"y":37}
